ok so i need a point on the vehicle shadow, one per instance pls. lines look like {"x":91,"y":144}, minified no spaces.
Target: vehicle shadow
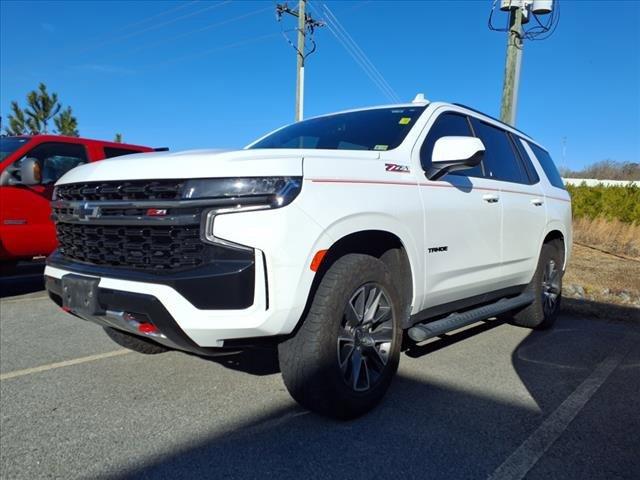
{"x":26,"y":278}
{"x":258,"y":361}
{"x":432,"y":424}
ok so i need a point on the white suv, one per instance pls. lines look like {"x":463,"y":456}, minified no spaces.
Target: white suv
{"x":329,"y":238}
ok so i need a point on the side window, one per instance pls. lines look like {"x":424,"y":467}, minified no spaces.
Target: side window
{"x":547,"y":165}
{"x":110,"y":152}
{"x":526,"y":160}
{"x":447,"y":124}
{"x":500,"y":162}
{"x":56,"y":159}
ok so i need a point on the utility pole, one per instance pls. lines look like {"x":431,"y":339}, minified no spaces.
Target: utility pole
{"x":520,"y":13}
{"x":511,"y":82}
{"x":306,"y":25}
{"x":300,"y":61}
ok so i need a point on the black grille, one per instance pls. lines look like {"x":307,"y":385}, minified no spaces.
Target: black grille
{"x":158,"y":248}
{"x":125,"y":190}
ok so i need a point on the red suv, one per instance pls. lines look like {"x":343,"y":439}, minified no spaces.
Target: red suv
{"x":29,"y":166}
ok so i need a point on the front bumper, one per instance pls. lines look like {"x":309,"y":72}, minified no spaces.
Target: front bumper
{"x":183,"y":324}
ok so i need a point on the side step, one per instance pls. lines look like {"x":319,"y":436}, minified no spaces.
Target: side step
{"x":424,"y":331}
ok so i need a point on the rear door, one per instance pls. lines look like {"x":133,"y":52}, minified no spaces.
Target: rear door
{"x":27,"y":229}
{"x":462,"y":223}
{"x":523,"y":209}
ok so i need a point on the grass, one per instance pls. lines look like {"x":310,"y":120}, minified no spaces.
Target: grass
{"x":613,"y":236}
{"x":602,"y":275}
{"x":611,"y":285}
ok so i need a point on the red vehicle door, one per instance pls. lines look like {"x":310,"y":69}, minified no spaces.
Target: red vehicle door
{"x":25,"y":226}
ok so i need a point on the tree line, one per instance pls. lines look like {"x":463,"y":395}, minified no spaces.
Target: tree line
{"x":41,"y":108}
{"x":606,"y":170}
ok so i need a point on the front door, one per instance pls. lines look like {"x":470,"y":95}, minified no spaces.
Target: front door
{"x":463,"y":215}
{"x":26,"y":229}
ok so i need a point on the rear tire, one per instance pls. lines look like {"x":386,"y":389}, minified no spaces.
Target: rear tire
{"x":132,"y":342}
{"x":546,"y":286}
{"x":345,"y":353}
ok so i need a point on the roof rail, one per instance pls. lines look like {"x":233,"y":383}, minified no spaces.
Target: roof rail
{"x":489,"y":116}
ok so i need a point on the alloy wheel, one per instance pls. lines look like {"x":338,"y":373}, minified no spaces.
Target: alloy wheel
{"x":550,"y":287}
{"x":366,"y":337}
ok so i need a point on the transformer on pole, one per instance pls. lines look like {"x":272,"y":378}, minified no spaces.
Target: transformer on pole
{"x":520,"y":13}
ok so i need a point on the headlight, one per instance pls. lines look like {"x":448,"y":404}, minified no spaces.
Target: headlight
{"x":270,"y":192}
{"x":240,"y":194}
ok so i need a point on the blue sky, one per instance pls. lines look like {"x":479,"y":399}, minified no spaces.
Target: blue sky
{"x":218,"y":74}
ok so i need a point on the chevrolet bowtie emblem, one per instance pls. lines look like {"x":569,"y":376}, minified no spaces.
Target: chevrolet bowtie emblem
{"x":86,"y":212}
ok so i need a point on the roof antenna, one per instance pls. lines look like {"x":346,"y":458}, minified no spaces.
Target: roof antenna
{"x":419,"y":98}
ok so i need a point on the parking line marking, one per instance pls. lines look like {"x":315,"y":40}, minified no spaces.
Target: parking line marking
{"x":522,"y":460}
{"x":66,"y":363}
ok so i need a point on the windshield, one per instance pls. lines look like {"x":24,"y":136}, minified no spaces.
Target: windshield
{"x":377,"y":129}
{"x":8,"y":145}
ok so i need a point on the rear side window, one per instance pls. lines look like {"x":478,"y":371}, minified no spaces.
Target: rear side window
{"x":547,"y":165}
{"x":448,"y":124}
{"x":110,"y":152}
{"x":526,"y":160}
{"x":500,"y":161}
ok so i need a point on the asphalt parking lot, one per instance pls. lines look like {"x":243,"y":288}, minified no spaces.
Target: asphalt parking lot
{"x":490,"y":401}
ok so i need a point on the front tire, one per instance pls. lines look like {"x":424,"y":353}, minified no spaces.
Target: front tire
{"x":342,"y":359}
{"x":132,"y":342}
{"x":546,"y":286}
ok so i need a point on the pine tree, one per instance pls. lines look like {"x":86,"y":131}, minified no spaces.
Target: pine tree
{"x":118,"y":138}
{"x":34,"y":119}
{"x":66,"y":123}
{"x":41,"y":108}
{"x":17,"y":121}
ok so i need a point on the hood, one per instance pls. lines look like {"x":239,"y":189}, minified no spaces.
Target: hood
{"x":204,"y":164}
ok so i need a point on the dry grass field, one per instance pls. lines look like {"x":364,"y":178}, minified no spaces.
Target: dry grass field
{"x":612,"y":236}
{"x":602,"y":285}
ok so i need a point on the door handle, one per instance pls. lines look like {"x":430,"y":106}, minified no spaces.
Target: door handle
{"x":490,"y":198}
{"x":536,"y":201}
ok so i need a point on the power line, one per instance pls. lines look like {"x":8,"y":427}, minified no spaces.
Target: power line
{"x":358,"y":55}
{"x":365,"y":68}
{"x":154,"y":27}
{"x":159,"y":14}
{"x":201,"y":29}
{"x":213,"y":50}
{"x":367,"y":60}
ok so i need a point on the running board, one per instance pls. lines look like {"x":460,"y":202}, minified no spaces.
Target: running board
{"x":424,"y":331}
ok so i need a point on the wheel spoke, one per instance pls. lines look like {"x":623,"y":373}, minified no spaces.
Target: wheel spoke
{"x":345,"y":336}
{"x":382,"y":334}
{"x":345,"y":354}
{"x":355,"y":311}
{"x":378,"y":359}
{"x":356,"y":368}
{"x":352,"y":317}
{"x":373,"y":301}
{"x":383,"y":315}
{"x":365,"y":375}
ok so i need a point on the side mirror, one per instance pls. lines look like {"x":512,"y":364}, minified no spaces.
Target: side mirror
{"x":30,"y":172}
{"x":454,"y":153}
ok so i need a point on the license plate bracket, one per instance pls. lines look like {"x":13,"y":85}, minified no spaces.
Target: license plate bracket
{"x":80,"y":294}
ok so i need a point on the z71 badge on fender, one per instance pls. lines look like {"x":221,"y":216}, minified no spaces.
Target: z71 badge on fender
{"x":392,"y":167}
